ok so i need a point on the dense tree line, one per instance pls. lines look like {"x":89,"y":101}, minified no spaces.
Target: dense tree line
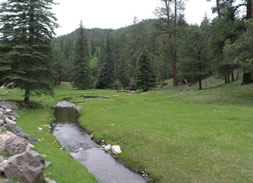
{"x":160,"y":49}
{"x":186,"y":53}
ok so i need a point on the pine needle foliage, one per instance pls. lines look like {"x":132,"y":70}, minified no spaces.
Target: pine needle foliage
{"x":81,"y":77}
{"x":27,"y":28}
{"x":145,"y":74}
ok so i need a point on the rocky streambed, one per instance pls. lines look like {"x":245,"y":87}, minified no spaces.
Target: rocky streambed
{"x":80,"y":145}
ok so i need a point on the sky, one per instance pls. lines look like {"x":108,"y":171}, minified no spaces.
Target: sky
{"x":117,"y":13}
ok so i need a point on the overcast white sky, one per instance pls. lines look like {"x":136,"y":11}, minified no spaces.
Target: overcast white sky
{"x":117,"y":13}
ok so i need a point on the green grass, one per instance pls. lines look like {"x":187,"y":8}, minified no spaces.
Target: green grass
{"x":180,"y":135}
{"x":177,"y":134}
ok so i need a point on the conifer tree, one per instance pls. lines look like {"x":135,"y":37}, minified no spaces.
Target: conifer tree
{"x":106,"y":76}
{"x":81,"y":73}
{"x":194,"y":54}
{"x":145,"y":77}
{"x":25,"y":51}
{"x":123,"y":70}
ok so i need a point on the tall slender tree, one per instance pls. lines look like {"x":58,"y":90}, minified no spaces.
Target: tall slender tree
{"x":170,"y":13}
{"x":194,"y":53}
{"x":25,"y":51}
{"x":106,"y":76}
{"x":81,"y":73}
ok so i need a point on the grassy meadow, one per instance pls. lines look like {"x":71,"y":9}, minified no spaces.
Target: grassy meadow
{"x":175,"y":134}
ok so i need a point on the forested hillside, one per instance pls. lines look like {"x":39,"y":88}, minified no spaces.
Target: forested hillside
{"x":186,"y":53}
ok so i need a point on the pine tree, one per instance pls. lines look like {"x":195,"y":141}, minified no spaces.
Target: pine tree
{"x":106,"y":76}
{"x":194,"y":54}
{"x":25,"y":51}
{"x":81,"y":73}
{"x":123,"y":70}
{"x":145,"y":77}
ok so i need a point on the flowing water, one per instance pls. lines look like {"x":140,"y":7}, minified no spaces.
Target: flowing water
{"x":79,"y":144}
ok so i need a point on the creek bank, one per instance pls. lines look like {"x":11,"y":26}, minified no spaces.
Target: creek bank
{"x":81,"y":146}
{"x":18,"y":160}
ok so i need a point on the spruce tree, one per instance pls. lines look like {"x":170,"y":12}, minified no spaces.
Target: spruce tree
{"x":106,"y":76}
{"x":25,"y":52}
{"x":81,"y":73}
{"x":145,"y":77}
{"x":194,"y":54}
{"x":123,"y":70}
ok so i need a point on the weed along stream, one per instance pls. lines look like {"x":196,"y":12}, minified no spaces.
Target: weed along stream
{"x":79,"y":144}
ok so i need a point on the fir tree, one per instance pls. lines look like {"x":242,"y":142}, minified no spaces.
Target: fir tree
{"x":25,"y":51}
{"x":81,"y":77}
{"x":106,"y":76}
{"x":145,"y":77}
{"x":194,"y":54}
{"x":123,"y":70}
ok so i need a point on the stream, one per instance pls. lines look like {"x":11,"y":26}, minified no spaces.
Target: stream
{"x":79,"y":144}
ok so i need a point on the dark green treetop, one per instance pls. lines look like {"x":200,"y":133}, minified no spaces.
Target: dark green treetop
{"x":81,"y":72}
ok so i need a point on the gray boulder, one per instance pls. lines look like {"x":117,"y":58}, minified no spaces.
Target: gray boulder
{"x":66,"y":112}
{"x":9,"y":121}
{"x":26,"y":167}
{"x":3,"y":138}
{"x":19,"y":132}
{"x":65,"y":104}
{"x":16,"y":145}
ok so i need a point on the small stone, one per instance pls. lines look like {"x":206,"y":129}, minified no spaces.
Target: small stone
{"x":107,"y":148}
{"x":8,"y":110}
{"x":30,"y":147}
{"x":48,"y":164}
{"x":48,"y":180}
{"x":116,"y":149}
{"x":78,"y":150}
{"x":44,"y":155}
{"x":9,"y":121}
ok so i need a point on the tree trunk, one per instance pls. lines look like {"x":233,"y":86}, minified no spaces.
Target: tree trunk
{"x":246,"y":78}
{"x":228,"y":75}
{"x":218,"y":9}
{"x":174,"y":67}
{"x":226,"y":78}
{"x":249,"y":9}
{"x":237,"y":75}
{"x":27,"y":96}
{"x":172,"y":37}
{"x":232,"y":75}
{"x":200,"y":83}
